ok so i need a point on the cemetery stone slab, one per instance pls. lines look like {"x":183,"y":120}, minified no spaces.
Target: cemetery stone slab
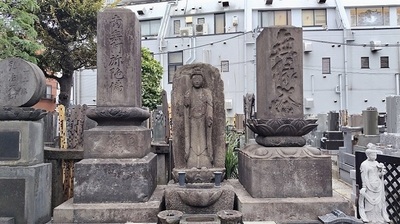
{"x":9,"y":145}
{"x":117,"y":142}
{"x":21,"y":83}
{"x":26,"y":193}
{"x":118,"y":59}
{"x":7,"y":220}
{"x":279,"y":73}
{"x":115,"y":180}
{"x":28,"y":145}
{"x":393,"y":116}
{"x":298,"y":177}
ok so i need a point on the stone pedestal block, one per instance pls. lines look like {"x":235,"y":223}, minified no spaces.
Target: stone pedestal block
{"x":199,"y":198}
{"x":145,"y":212}
{"x":117,"y":142}
{"x":284,"y":177}
{"x":26,"y":193}
{"x":392,"y":139}
{"x":21,"y":143}
{"x":115,"y":180}
{"x":287,"y":210}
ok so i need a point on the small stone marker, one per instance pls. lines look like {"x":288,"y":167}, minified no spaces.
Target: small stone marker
{"x":9,"y":145}
{"x":21,"y":83}
{"x":338,"y":217}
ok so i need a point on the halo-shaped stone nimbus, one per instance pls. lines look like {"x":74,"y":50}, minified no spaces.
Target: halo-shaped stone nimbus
{"x":281,"y":126}
{"x":118,"y":115}
{"x":21,"y":113}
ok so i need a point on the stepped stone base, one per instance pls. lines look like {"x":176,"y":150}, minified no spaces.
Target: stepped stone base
{"x":288,"y":210}
{"x":70,"y":212}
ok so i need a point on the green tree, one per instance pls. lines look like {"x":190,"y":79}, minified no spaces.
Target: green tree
{"x":151,"y":77}
{"x":67,"y":29}
{"x":18,"y":36}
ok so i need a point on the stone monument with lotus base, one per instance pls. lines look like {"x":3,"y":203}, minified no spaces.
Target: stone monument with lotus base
{"x":283,"y":179}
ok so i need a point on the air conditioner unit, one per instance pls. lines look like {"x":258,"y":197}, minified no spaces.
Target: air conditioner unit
{"x":376,"y":45}
{"x":201,"y":29}
{"x":186,"y":31}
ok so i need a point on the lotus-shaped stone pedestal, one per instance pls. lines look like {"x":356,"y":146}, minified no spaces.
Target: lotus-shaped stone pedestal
{"x":284,"y":132}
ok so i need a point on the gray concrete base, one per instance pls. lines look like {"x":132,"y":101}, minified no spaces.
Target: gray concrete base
{"x":287,"y":210}
{"x":70,"y":212}
{"x":26,"y":193}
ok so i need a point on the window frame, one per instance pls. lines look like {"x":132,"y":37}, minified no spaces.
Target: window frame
{"x":271,"y":15}
{"x":328,"y":61}
{"x":215,"y":23}
{"x":151,"y":34}
{"x":355,"y":16}
{"x":177,"y":26}
{"x":224,"y":65}
{"x":174,"y":65}
{"x":387,"y":62}
{"x":363,"y":63}
{"x":314,"y":19}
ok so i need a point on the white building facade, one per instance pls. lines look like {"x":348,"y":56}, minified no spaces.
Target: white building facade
{"x":351,"y":47}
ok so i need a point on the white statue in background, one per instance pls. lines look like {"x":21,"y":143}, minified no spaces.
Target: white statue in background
{"x":372,"y":201}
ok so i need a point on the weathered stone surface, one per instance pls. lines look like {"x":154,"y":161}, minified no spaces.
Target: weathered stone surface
{"x":26,"y":193}
{"x":21,"y":83}
{"x":199,"y":117}
{"x":281,"y":141}
{"x":117,"y":142}
{"x":115,"y":180}
{"x":169,"y":217}
{"x":289,"y":176}
{"x":21,"y":113}
{"x":199,"y":218}
{"x":70,"y":212}
{"x":287,"y":210}
{"x":201,"y":200}
{"x":393,"y":114}
{"x":280,"y":73}
{"x":118,"y":59}
{"x":30,"y":142}
{"x":392,"y":139}
{"x":108,"y":116}
{"x":337,"y":216}
{"x":7,"y":220}
{"x":204,"y":175}
{"x":230,"y":217}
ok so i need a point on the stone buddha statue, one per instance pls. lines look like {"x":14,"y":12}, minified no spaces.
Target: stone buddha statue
{"x":372,"y":203}
{"x":198,"y":117}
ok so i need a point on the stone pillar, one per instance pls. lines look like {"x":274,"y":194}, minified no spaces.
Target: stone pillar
{"x":370,"y":121}
{"x":393,"y":114}
{"x":25,"y":180}
{"x":118,"y":173}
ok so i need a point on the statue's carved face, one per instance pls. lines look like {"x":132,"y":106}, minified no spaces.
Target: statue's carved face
{"x":197,"y":80}
{"x":372,"y":156}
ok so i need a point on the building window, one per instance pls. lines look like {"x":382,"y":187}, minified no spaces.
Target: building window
{"x":275,"y":18}
{"x":314,"y":17}
{"x":175,"y":61}
{"x":177,"y":26}
{"x":385,"y":62}
{"x":364,"y":62}
{"x":225,"y":66}
{"x":201,"y":20}
{"x":398,"y":16}
{"x":378,"y":16}
{"x":48,"y":93}
{"x":326,"y":65}
{"x":150,"y":27}
{"x":219,"y":21}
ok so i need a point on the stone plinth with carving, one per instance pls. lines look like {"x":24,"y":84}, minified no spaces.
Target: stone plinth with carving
{"x":198,"y":122}
{"x":119,"y":173}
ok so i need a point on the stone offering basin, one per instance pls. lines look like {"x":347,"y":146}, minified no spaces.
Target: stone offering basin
{"x":281,"y":126}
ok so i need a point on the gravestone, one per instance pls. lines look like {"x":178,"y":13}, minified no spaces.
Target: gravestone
{"x":25,"y":180}
{"x":116,"y":180}
{"x":279,"y":172}
{"x":198,"y":143}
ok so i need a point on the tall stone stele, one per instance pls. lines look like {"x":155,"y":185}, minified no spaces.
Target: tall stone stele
{"x":280,"y":166}
{"x":116,"y":180}
{"x":25,"y":180}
